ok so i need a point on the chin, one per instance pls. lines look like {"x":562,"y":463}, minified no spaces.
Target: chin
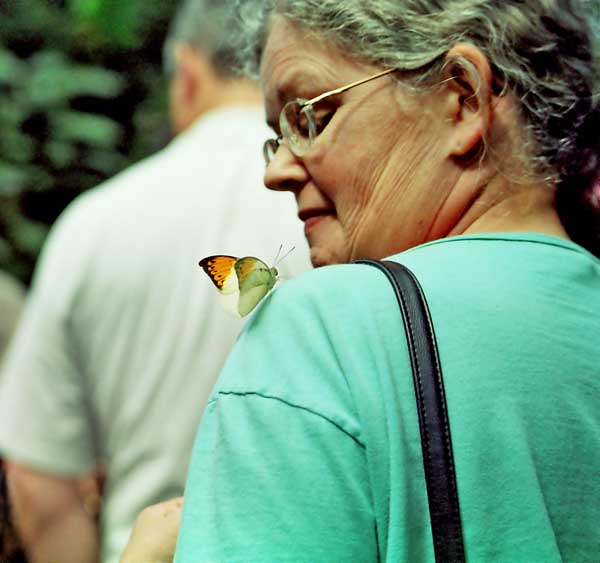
{"x":326,"y":257}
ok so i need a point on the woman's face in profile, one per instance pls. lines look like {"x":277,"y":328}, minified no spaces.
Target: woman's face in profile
{"x":366,"y":186}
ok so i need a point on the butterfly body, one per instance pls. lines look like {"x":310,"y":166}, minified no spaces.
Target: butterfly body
{"x":243,"y":282}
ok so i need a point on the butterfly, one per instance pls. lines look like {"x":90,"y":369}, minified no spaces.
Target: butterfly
{"x":243,"y":282}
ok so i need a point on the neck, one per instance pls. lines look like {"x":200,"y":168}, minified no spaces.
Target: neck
{"x":501,"y":207}
{"x":229,"y":93}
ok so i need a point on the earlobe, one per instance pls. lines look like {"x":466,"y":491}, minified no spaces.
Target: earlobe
{"x":468,"y":81}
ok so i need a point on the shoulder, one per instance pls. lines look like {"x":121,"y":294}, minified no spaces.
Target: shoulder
{"x":355,"y":291}
{"x":324,"y":296}
{"x":85,"y":226}
{"x":318,"y":335}
{"x":497,"y":268}
{"x":115,"y":207}
{"x":95,"y":207}
{"x":312,"y":338}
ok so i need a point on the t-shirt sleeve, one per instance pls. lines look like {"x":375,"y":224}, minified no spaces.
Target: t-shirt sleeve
{"x":278,"y":472}
{"x":43,"y":418}
{"x":274,"y":482}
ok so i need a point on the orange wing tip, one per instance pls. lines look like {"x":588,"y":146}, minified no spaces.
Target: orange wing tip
{"x":205,"y":262}
{"x":218,"y":268}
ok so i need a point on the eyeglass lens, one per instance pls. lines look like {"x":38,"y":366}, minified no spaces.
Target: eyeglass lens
{"x":298,"y":126}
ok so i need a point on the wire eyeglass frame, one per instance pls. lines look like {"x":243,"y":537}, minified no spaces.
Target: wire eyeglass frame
{"x":298,"y":142}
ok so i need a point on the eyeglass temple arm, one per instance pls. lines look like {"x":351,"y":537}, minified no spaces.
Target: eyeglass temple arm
{"x":347,"y":87}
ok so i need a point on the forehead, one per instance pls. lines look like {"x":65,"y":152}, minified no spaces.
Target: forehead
{"x":298,"y":64}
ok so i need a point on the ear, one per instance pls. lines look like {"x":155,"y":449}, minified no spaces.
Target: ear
{"x":188,"y":85}
{"x":468,"y":99}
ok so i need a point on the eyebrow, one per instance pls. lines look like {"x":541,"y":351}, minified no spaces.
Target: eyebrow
{"x":302,"y":84}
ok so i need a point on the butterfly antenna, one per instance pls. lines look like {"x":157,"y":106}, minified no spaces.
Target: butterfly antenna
{"x":278,"y":253}
{"x":285,"y":255}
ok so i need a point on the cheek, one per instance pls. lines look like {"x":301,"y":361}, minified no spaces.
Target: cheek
{"x":392,"y":197}
{"x":345,"y":164}
{"x":405,"y":200}
{"x":345,"y":175}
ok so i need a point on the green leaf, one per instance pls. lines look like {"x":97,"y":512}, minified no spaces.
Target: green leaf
{"x":105,"y":161}
{"x":5,"y":251}
{"x":118,"y":21}
{"x":55,"y":80}
{"x":28,"y":236}
{"x":60,"y":154}
{"x":40,"y":180}
{"x":12,"y":114}
{"x":13,"y":179}
{"x":33,"y":21}
{"x":15,"y":146}
{"x":95,"y":130}
{"x":11,"y":67}
{"x":85,"y":8}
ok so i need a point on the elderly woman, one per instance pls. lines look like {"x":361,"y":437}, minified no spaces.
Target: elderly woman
{"x":459,"y":137}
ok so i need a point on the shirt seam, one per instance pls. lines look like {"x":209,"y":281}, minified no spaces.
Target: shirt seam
{"x":491,"y":238}
{"x":358,"y":441}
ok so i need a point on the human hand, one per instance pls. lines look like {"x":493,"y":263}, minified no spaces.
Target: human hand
{"x":154,"y":534}
{"x":91,"y":490}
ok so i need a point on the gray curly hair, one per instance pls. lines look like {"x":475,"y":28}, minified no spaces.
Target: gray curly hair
{"x":544,"y":51}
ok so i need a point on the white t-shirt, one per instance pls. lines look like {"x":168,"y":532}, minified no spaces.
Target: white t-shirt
{"x":123,"y":335}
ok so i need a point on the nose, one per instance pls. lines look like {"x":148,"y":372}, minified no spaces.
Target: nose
{"x":285,"y":172}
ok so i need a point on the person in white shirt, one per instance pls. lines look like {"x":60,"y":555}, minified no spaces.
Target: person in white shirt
{"x":123,"y":336}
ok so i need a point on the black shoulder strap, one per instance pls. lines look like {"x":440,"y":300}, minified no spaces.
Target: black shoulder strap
{"x":436,"y":443}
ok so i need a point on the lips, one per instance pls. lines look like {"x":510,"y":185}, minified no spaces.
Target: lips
{"x":313,"y":216}
{"x":310,"y":213}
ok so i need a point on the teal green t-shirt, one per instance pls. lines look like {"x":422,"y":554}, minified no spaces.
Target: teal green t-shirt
{"x":309,"y":449}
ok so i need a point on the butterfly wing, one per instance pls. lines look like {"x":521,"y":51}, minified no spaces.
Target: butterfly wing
{"x":221,"y":270}
{"x":255,"y":280}
{"x":250,"y":298}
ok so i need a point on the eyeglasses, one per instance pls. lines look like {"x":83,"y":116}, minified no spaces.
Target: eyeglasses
{"x":298,"y":124}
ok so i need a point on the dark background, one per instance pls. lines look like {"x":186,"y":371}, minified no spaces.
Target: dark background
{"x":82,"y":96}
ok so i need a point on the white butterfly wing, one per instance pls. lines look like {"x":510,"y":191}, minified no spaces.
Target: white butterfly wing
{"x":230,"y":302}
{"x":231,"y":285}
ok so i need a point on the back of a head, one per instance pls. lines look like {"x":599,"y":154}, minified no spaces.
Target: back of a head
{"x":544,"y":53}
{"x":208,"y":26}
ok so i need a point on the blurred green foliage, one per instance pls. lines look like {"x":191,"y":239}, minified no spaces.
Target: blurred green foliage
{"x":82,"y":96}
